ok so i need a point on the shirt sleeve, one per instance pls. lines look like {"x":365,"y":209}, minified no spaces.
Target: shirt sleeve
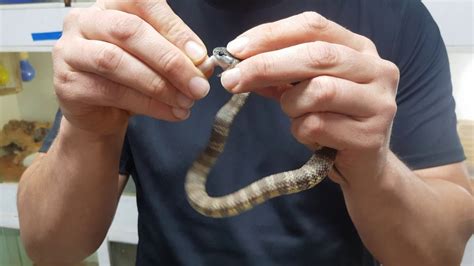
{"x":53,"y":132}
{"x":126,"y":160}
{"x":424,"y":132}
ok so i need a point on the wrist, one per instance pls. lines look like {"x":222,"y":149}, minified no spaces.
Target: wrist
{"x":73,"y":141}
{"x":69,"y":132}
{"x":383,"y":179}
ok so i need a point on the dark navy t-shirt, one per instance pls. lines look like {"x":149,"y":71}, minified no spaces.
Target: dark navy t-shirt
{"x":309,"y":228}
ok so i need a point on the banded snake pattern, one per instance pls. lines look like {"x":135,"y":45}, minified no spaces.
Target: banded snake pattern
{"x":289,"y":182}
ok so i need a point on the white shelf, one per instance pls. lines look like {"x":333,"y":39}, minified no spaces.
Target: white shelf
{"x":8,"y":211}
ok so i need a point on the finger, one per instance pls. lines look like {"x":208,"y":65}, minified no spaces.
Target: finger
{"x":301,"y":62}
{"x":305,"y":27}
{"x":330,"y":130}
{"x":111,"y":62}
{"x":138,"y":38}
{"x":274,"y":92}
{"x":70,"y":26}
{"x":161,"y":17}
{"x":329,"y":94}
{"x":91,"y":89}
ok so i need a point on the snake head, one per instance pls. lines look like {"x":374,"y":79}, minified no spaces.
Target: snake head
{"x":223,"y":58}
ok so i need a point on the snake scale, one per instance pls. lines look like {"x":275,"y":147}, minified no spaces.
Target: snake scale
{"x":303,"y":178}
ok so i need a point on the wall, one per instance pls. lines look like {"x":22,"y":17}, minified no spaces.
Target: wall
{"x":462,"y":71}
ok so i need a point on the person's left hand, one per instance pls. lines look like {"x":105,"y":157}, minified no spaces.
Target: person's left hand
{"x":345,"y":98}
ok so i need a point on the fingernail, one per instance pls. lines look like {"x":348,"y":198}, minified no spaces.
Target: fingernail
{"x":236,"y":46}
{"x":180,"y":112}
{"x":184,"y":101}
{"x":199,"y":87}
{"x":195,"y":51}
{"x":230,"y":78}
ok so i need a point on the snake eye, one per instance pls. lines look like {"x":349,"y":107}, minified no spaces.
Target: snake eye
{"x":221,"y":53}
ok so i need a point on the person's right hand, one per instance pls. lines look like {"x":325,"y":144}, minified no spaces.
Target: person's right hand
{"x":119,"y":58}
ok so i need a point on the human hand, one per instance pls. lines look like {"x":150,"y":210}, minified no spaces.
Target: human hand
{"x":119,"y":58}
{"x":345,"y":98}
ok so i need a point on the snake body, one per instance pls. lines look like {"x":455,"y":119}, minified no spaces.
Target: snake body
{"x":303,"y":178}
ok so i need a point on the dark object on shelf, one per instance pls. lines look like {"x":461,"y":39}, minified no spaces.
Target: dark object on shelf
{"x":28,"y":72}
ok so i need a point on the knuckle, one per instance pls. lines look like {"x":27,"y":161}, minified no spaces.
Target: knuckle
{"x":262,"y":68}
{"x":314,"y":22}
{"x":174,"y":31}
{"x":62,"y":82}
{"x":108,"y":59}
{"x":323,"y":89}
{"x":139,"y":6}
{"x":58,"y":48}
{"x":285,"y":103}
{"x":298,"y":131}
{"x":295,"y":131}
{"x":377,"y":131}
{"x":147,"y":7}
{"x":389,"y":108}
{"x":315,"y":126}
{"x":62,"y":78}
{"x":375,"y":142}
{"x":368,"y":44}
{"x":113,"y":92}
{"x":322,"y":54}
{"x":72,"y":18}
{"x":373,"y":136}
{"x":392,"y":73}
{"x":148,"y":105}
{"x":124,"y":27}
{"x":157,"y":87}
{"x":171,"y":62}
{"x":268,"y":32}
{"x":312,"y":126}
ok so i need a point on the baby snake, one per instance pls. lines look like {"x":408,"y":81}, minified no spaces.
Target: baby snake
{"x":306,"y":177}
